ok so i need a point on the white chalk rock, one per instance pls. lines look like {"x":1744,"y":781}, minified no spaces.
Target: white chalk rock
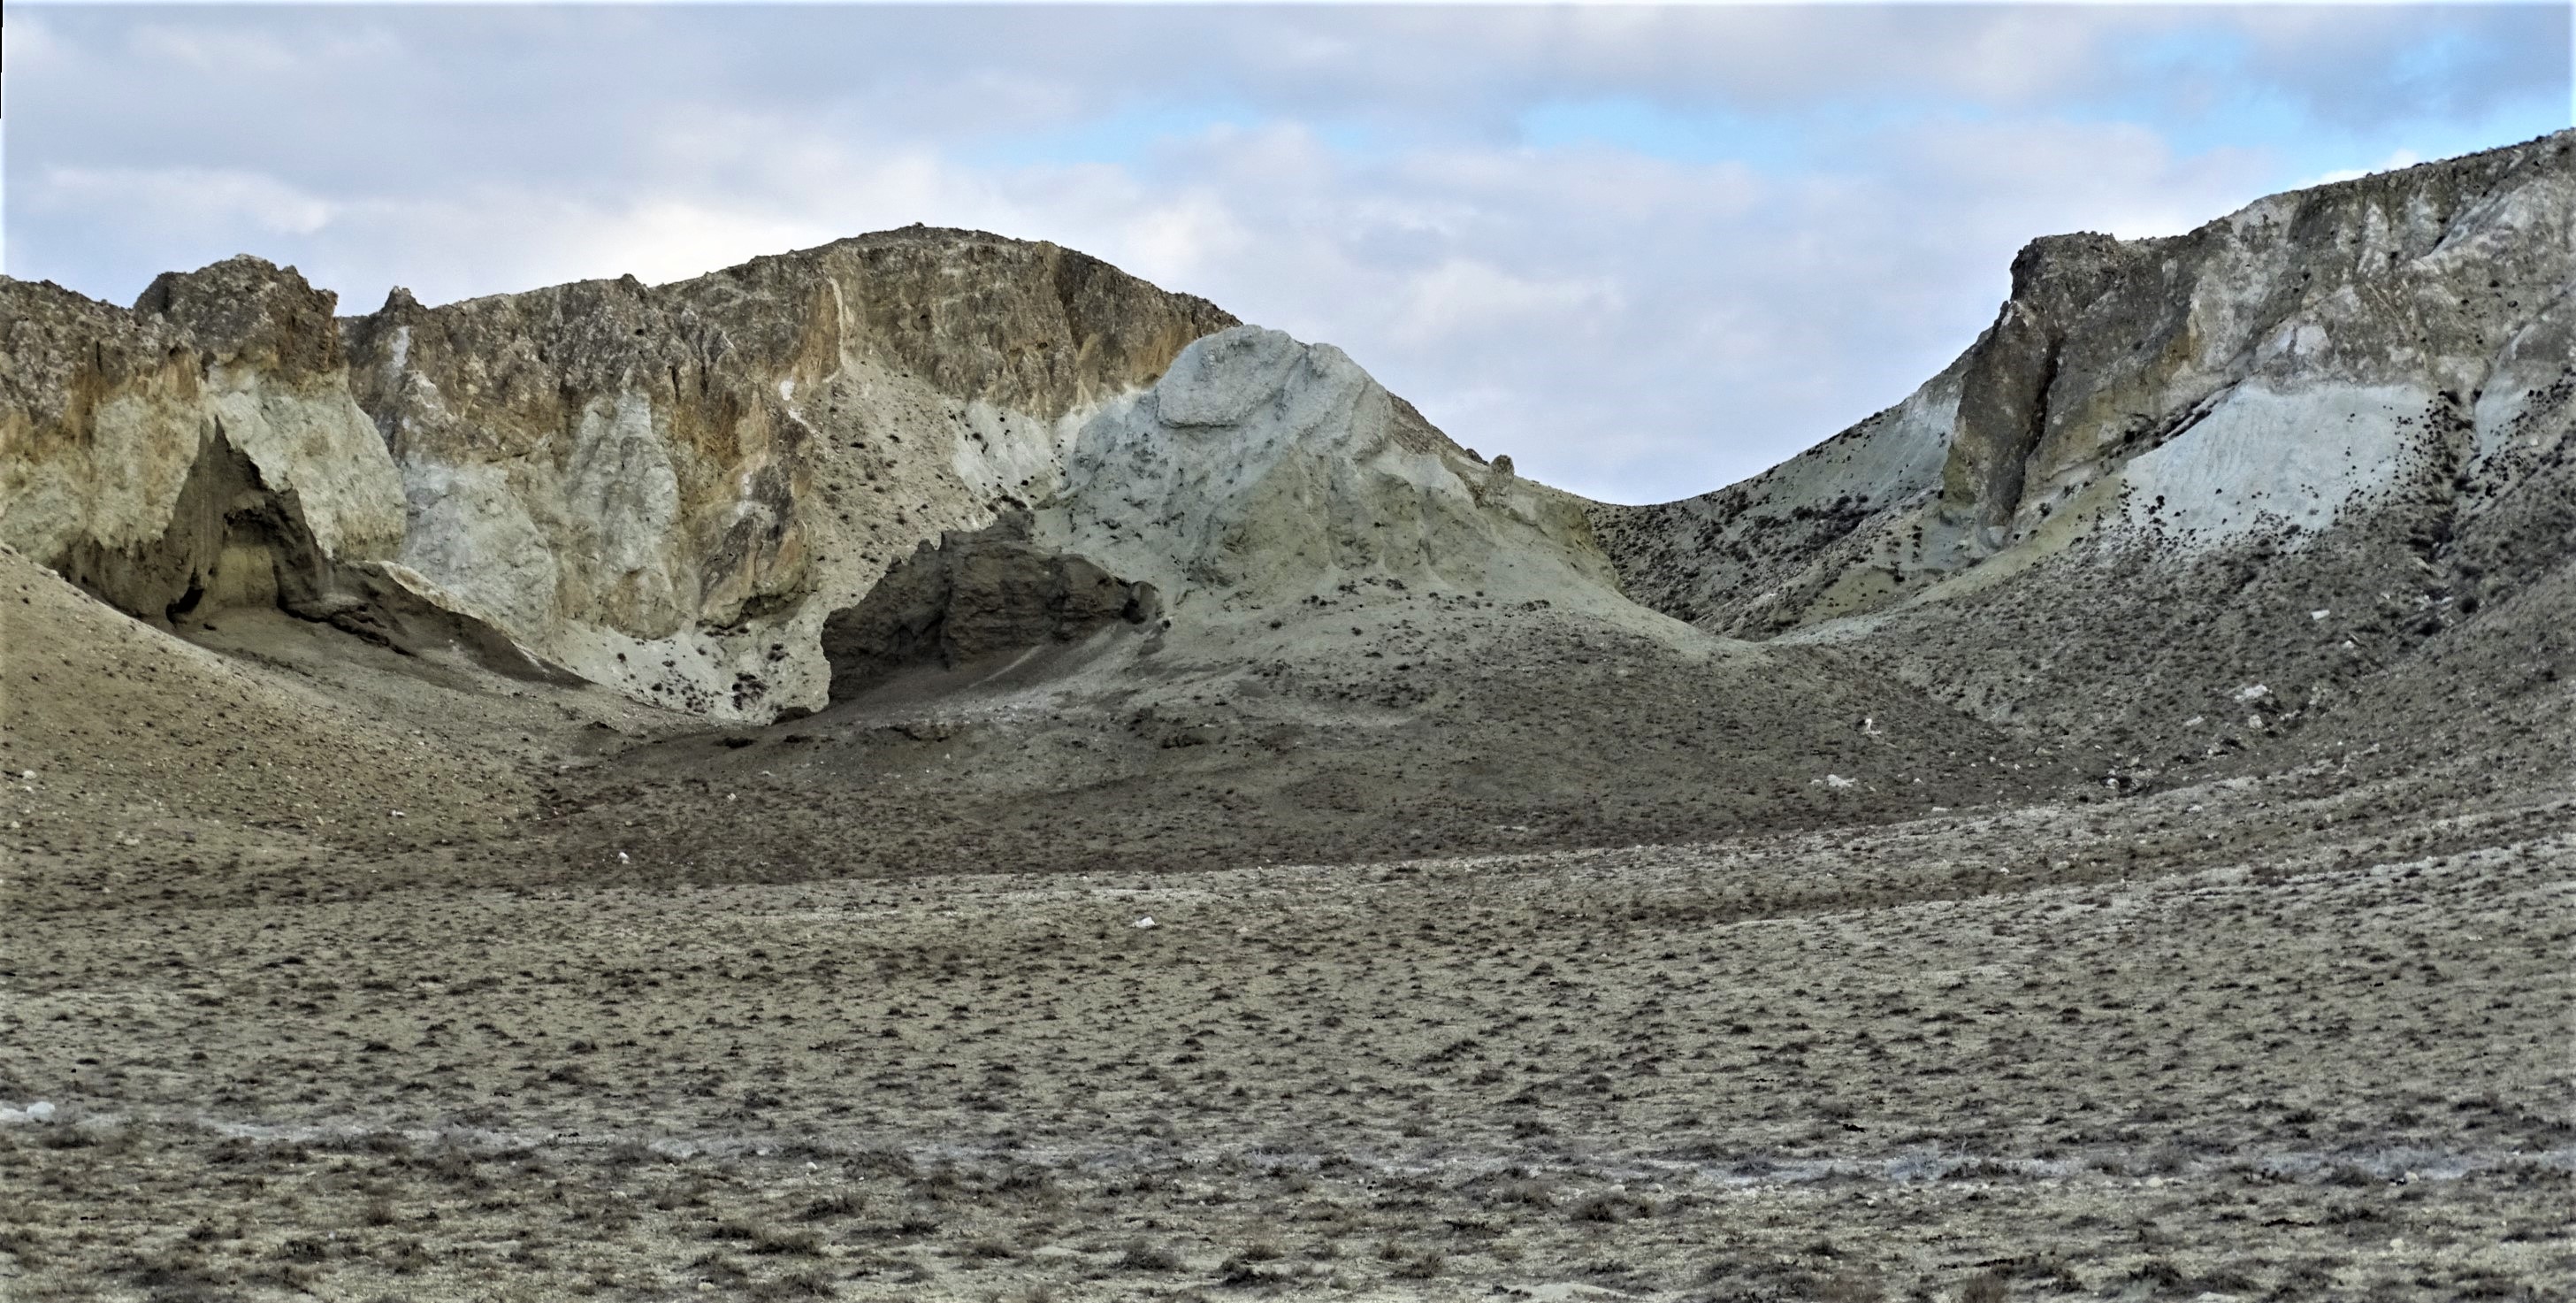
{"x":1261,"y":469}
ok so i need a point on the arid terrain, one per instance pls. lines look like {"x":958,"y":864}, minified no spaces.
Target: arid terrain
{"x":931,"y":769}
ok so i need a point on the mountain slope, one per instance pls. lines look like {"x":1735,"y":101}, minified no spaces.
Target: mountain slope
{"x":642,"y":483}
{"x":2187,"y":494}
{"x":2290,"y":495}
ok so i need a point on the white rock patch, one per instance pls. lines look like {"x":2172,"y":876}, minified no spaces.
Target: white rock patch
{"x":2266,"y":457}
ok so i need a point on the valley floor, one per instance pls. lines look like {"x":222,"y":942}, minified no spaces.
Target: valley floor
{"x":2038,"y":1052}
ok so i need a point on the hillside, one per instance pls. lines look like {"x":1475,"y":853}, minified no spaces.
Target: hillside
{"x":928,"y":768}
{"x":2232,"y":491}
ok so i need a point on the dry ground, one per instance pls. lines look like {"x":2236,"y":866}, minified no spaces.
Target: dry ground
{"x":2052,"y":1052}
{"x":2298,"y":1029}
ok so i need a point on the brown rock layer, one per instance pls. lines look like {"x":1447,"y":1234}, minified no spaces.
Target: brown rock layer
{"x":978,"y":594}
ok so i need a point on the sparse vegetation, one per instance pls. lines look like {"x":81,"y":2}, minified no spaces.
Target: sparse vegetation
{"x":1975,"y":955}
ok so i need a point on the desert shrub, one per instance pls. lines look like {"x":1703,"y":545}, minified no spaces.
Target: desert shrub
{"x":798,"y":1284}
{"x":1610,"y":1208}
{"x":2156,"y":1275}
{"x":63,"y":1136}
{"x":1524,"y":1193}
{"x":1987,"y":1286}
{"x":830,"y":1206}
{"x":1421,"y":1266}
{"x":1851,"y":1286}
{"x":1143,"y":1255}
{"x":780,"y":1241}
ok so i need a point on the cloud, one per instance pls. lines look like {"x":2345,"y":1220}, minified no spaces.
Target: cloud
{"x":2396,"y":159}
{"x":1645,"y":250}
{"x":179,"y":197}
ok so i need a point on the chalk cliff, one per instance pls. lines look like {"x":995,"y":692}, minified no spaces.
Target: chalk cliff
{"x":2190,"y":494}
{"x":663,"y":488}
{"x":2404,"y":336}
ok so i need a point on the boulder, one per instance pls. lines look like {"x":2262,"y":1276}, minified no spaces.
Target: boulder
{"x":977,"y":594}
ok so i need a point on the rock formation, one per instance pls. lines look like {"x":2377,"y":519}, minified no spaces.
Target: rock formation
{"x":645,"y":484}
{"x":2399,"y":338}
{"x":977,"y":594}
{"x":1262,"y":470}
{"x":2300,"y":449}
{"x":2350,"y":402}
{"x":667,"y":487}
{"x":202,"y":451}
{"x":202,"y":444}
{"x":1260,"y":475}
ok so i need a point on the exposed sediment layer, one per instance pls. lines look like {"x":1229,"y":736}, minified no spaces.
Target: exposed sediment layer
{"x":2401,"y":339}
{"x":644,"y":483}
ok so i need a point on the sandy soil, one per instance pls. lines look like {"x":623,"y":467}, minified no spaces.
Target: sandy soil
{"x":2057,"y":1052}
{"x":1523,"y":963}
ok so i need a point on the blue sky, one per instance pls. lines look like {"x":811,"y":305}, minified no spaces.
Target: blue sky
{"x":1645,"y":250}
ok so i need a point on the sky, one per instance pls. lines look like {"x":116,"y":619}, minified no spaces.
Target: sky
{"x":1645,"y":250}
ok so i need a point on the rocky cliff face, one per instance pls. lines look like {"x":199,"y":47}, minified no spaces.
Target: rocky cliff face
{"x":142,"y":447}
{"x":667,"y":487}
{"x":2353,"y":401}
{"x":2403,"y":338}
{"x":663,"y":488}
{"x":202,"y":450}
{"x":2189,"y":495}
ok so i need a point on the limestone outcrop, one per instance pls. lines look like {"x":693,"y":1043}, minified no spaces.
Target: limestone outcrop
{"x":689,"y":492}
{"x":2190,"y":496}
{"x":663,"y":488}
{"x":2401,"y":339}
{"x":1261,"y":470}
{"x":201,"y":450}
{"x":668,"y":487}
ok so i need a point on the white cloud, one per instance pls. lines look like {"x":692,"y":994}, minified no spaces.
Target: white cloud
{"x":1462,"y":299}
{"x":1818,"y":213}
{"x":184,"y":196}
{"x":2396,"y":159}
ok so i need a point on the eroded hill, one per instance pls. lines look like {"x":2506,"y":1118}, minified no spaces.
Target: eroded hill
{"x":930,"y":769}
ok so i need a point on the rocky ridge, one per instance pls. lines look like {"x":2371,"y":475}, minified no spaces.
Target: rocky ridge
{"x":643,"y":484}
{"x":2202,"y":497}
{"x":2296,"y":444}
{"x":2319,"y":353}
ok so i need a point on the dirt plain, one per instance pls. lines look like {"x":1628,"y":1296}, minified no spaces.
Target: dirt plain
{"x":2288,"y":1031}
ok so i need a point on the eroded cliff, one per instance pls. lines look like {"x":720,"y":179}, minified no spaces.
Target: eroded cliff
{"x":2189,"y":496}
{"x":663,"y":488}
{"x":2399,"y":338}
{"x":667,"y":487}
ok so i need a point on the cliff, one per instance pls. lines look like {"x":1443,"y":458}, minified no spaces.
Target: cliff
{"x":2188,"y":497}
{"x":2352,"y":399}
{"x":2401,"y":337}
{"x":662,"y":488}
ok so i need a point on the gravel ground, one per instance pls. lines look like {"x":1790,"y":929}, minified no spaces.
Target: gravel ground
{"x":1982,"y":1055}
